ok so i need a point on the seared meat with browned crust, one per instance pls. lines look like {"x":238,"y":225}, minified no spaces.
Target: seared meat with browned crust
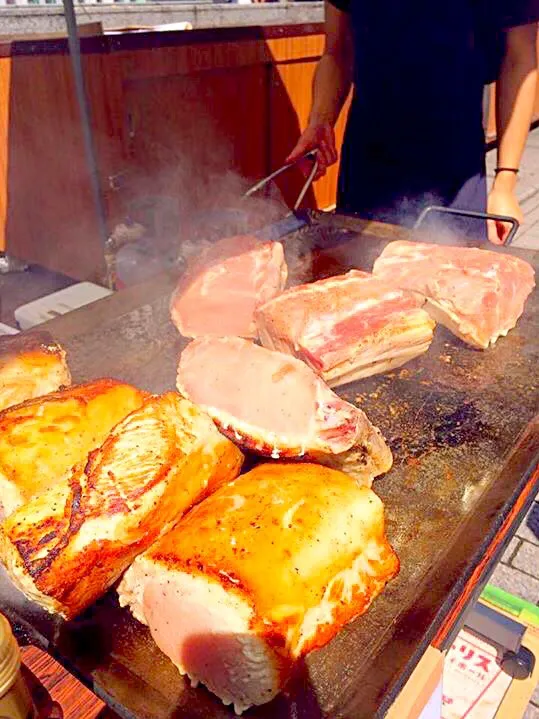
{"x":41,"y":440}
{"x":260,"y":573}
{"x":67,"y":546}
{"x":31,"y":365}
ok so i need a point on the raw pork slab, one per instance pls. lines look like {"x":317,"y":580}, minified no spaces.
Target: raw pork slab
{"x":347,"y":327}
{"x":477,"y":294}
{"x":268,"y":568}
{"x":275,"y":405}
{"x":222,"y":291}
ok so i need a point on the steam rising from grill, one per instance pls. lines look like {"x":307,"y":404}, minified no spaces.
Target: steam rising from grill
{"x":189,"y":197}
{"x":164,"y":232}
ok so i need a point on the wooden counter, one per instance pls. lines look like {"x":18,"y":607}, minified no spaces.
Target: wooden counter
{"x":56,"y":693}
{"x":167,"y":109}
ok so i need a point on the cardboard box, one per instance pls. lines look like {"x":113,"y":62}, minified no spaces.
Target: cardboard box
{"x":421,"y":697}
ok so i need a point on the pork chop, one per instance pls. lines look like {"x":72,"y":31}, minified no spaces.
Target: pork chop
{"x":477,"y":294}
{"x":41,"y":439}
{"x":347,"y":327}
{"x":66,"y":546}
{"x":221,"y":292}
{"x":275,"y":405}
{"x":260,"y":573}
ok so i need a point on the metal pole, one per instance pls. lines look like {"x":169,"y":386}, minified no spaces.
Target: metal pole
{"x":89,"y":146}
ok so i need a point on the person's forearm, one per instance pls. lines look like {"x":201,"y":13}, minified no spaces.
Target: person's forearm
{"x":515,"y":96}
{"x":331,"y":85}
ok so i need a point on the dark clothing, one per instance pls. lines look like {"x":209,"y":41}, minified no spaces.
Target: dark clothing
{"x":415,"y":133}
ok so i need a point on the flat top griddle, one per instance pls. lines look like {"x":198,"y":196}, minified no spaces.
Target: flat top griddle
{"x":464,"y":429}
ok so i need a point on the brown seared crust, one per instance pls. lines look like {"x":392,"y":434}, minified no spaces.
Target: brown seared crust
{"x":83,"y":393}
{"x":257,"y":445}
{"x":367,"y":459}
{"x":74,"y":581}
{"x":309,"y":523}
{"x":51,"y":534}
{"x":152,"y":467}
{"x":55,"y":432}
{"x":31,"y":365}
{"x":383,"y":571}
{"x":35,"y":341}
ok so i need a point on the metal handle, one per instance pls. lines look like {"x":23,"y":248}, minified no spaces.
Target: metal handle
{"x":291,"y":223}
{"x":471,"y":213}
{"x":262,"y":183}
{"x":495,"y":627}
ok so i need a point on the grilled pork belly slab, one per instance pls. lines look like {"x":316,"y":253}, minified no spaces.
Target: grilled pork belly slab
{"x":263,"y":571}
{"x":220,"y":294}
{"x":477,"y":294}
{"x":275,"y":405}
{"x":347,"y":327}
{"x":67,"y":546}
{"x":41,"y":439}
{"x":31,"y":365}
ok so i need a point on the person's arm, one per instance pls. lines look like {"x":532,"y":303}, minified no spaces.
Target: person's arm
{"x":515,"y":95}
{"x":331,"y":85}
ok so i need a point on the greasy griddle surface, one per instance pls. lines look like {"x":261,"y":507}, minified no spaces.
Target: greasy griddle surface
{"x":460,"y":424}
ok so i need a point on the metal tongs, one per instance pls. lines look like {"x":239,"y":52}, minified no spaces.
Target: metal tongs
{"x":472,"y":214}
{"x":262,"y":183}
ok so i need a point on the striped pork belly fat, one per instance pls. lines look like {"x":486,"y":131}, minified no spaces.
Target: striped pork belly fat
{"x":260,"y":573}
{"x":275,"y":405}
{"x":477,"y":294}
{"x":221,"y":292}
{"x":347,"y":327}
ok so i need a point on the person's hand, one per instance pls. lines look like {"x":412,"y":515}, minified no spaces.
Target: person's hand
{"x":317,"y":136}
{"x":502,"y":201}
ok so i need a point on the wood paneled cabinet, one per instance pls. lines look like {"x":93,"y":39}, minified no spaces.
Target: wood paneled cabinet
{"x":192,"y":116}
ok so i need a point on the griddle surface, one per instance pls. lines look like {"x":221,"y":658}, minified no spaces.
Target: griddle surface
{"x":463,"y":427}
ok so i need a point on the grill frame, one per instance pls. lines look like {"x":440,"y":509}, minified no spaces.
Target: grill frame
{"x":464,"y":429}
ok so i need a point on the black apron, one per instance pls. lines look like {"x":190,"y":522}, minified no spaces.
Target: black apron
{"x":415,"y":134}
